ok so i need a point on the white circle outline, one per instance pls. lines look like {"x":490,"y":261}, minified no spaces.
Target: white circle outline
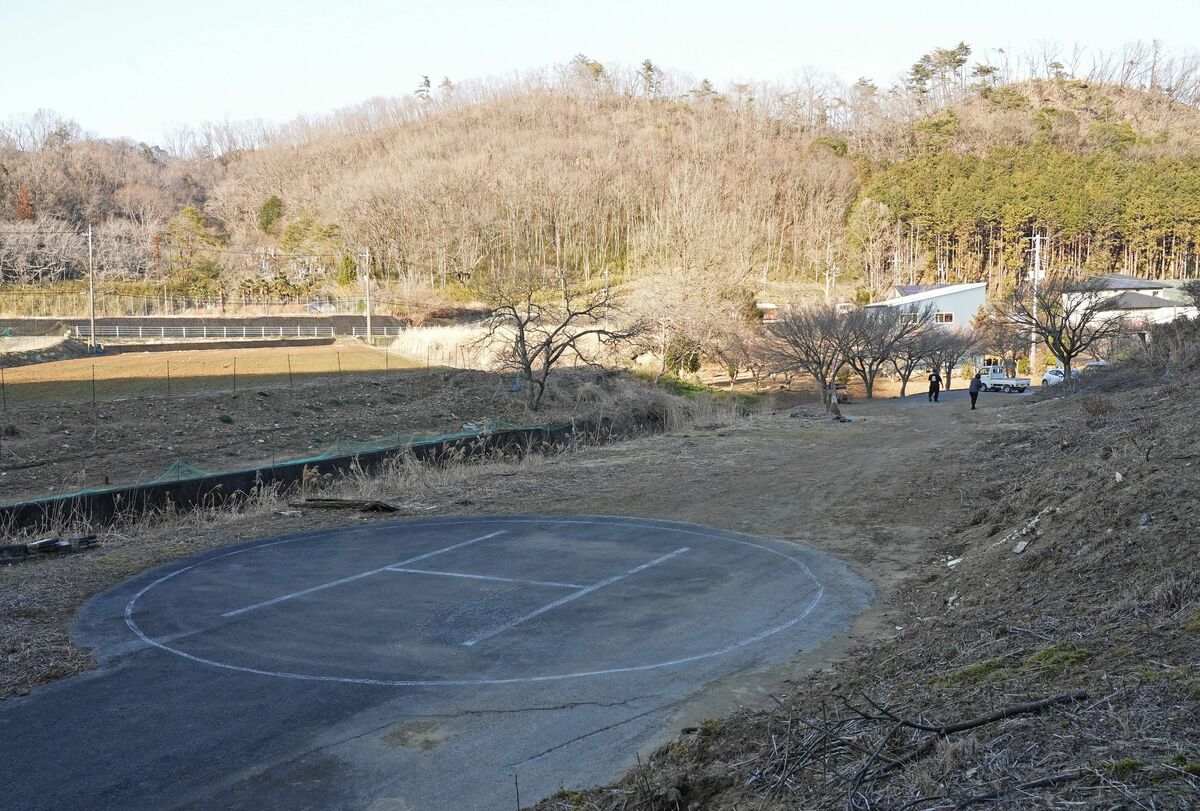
{"x":133,"y":626}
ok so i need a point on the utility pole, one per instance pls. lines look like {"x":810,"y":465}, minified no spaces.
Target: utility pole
{"x":367,"y":270}
{"x":1037,"y":272}
{"x":831,"y":274}
{"x":91,"y":294}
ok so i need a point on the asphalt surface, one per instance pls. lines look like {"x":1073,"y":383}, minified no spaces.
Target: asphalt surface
{"x":410,"y":665}
{"x":959,"y":398}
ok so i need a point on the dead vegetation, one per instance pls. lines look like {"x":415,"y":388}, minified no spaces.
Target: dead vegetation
{"x":64,"y":447}
{"x":38,"y":598}
{"x":1049,"y":658}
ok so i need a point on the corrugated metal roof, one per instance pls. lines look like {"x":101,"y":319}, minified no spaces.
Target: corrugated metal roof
{"x":1118,"y":281}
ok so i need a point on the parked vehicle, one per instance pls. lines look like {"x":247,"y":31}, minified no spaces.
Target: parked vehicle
{"x":1053,"y":377}
{"x":996,"y":378}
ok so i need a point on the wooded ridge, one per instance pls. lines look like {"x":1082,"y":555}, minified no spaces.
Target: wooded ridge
{"x":628,"y":174}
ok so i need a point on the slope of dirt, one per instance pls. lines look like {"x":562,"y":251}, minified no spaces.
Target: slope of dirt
{"x":1068,"y":574}
{"x":26,"y":351}
{"x":49,"y":448}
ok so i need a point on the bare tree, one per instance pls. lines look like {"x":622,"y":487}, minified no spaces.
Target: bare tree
{"x":950,"y":347}
{"x":1070,"y":320}
{"x":811,"y":340}
{"x":538,"y":317}
{"x":1191,"y":289}
{"x":735,"y":348}
{"x":913,"y":350}
{"x":874,"y":335}
{"x":1000,"y":336}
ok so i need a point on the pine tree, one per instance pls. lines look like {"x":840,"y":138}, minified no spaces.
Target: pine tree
{"x":423,"y":91}
{"x":270,"y":214}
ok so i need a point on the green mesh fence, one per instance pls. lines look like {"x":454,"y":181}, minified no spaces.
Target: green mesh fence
{"x":181,"y":469}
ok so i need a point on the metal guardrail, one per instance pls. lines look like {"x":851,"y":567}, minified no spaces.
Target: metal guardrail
{"x":358,"y":332}
{"x":297,"y":331}
{"x":118,"y":331}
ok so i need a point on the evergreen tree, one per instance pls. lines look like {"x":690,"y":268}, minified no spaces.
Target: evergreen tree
{"x":424,"y":89}
{"x":270,"y":214}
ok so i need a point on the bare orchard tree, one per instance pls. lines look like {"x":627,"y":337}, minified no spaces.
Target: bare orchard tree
{"x":734,"y":346}
{"x":1000,"y":336}
{"x":809,"y":339}
{"x":913,"y":350}
{"x":873,"y":336}
{"x":950,"y":347}
{"x":1070,"y":320}
{"x":1191,"y":289}
{"x":540,"y":317}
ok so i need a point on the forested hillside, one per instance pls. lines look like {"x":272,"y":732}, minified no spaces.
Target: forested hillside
{"x":636,"y":174}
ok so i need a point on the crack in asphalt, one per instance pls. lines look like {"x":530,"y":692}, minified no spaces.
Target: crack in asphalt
{"x":299,"y":756}
{"x":578,"y":738}
{"x":465,"y":713}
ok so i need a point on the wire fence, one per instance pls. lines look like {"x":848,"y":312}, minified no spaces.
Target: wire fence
{"x":107,"y":378}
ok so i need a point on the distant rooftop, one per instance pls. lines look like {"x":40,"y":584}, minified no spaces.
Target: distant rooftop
{"x":927,"y":292}
{"x":1119,"y":281}
{"x":911,"y":289}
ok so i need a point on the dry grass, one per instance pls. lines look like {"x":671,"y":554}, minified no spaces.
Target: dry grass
{"x":38,"y":598}
{"x":1103,"y":603}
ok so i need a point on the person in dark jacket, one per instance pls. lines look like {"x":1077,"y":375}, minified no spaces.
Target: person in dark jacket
{"x":935,"y":386}
{"x":974,"y":388}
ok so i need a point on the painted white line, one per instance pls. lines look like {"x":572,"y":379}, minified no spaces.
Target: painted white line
{"x":586,"y":520}
{"x":488,"y":577}
{"x":573,"y":596}
{"x":359,"y":576}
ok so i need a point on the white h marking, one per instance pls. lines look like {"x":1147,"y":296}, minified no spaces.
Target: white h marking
{"x":573,"y":596}
{"x":359,"y":576}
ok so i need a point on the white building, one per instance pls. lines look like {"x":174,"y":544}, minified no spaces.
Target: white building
{"x":1140,"y":308}
{"x":953,"y":305}
{"x":1138,"y":301}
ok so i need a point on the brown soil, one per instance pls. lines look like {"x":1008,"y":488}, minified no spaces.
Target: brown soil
{"x":856,"y":489}
{"x":55,"y":447}
{"x":896,"y":493}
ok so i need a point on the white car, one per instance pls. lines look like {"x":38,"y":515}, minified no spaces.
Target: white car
{"x":1053,"y":377}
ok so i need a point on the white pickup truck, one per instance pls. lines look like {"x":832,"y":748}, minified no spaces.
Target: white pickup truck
{"x":995,"y":378}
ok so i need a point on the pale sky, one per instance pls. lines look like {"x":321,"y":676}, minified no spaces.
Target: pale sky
{"x":132,"y":67}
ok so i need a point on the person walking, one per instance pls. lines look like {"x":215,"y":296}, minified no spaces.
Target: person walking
{"x":935,"y":386}
{"x":974,"y":388}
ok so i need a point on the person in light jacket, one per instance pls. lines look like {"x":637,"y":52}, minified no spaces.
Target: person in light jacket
{"x":974,"y":388}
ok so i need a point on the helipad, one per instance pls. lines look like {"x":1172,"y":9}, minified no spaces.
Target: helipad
{"x":479,"y":601}
{"x":413,"y":664}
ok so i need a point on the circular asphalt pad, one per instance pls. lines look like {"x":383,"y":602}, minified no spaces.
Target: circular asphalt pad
{"x":478,"y":601}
